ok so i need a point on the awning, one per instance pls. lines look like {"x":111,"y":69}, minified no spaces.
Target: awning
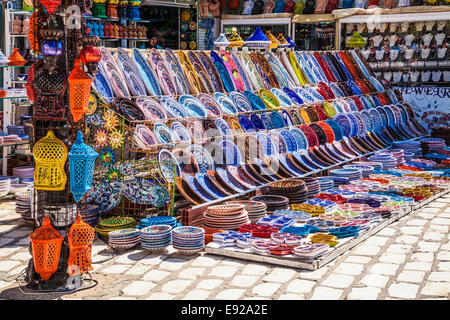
{"x":342,"y":13}
{"x":311,"y":18}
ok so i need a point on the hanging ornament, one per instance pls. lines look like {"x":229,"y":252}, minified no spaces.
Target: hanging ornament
{"x":101,"y":138}
{"x":81,"y":163}
{"x":111,"y":120}
{"x":116,"y":139}
{"x":79,"y":91}
{"x":107,"y":157}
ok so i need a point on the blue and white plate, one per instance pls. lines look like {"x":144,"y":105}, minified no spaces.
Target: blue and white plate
{"x":173,"y":108}
{"x":194,"y":107}
{"x":223,"y":127}
{"x":284,"y":99}
{"x":202,"y":157}
{"x":180,"y":132}
{"x":163,"y":133}
{"x":147,"y":74}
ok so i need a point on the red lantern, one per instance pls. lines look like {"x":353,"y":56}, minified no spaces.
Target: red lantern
{"x":51,"y":5}
{"x":79,"y":91}
{"x":90,"y":56}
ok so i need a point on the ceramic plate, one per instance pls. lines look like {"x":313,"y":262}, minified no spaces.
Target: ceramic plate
{"x":146,"y":73}
{"x":212,"y":71}
{"x":177,"y":71}
{"x":223,"y":72}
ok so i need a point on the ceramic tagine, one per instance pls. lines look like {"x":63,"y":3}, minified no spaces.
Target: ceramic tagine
{"x":248,"y":7}
{"x":279,"y":6}
{"x":258,"y":7}
{"x":235,"y":39}
{"x":257,"y":40}
{"x":299,"y":6}
{"x":221,"y":41}
{"x":282,"y":40}
{"x":274,"y":42}
{"x":270,"y":5}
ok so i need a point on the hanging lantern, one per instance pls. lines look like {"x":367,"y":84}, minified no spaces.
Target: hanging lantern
{"x":79,"y":91}
{"x":50,"y":5}
{"x":50,"y":155}
{"x":46,"y":248}
{"x":81,"y":163}
{"x":51,"y":48}
{"x":81,"y":236}
{"x":204,"y":8}
{"x":90,"y":56}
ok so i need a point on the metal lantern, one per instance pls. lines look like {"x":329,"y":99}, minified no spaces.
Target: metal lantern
{"x":81,"y":163}
{"x":79,"y":91}
{"x":50,"y":5}
{"x":90,"y":56}
{"x":80,"y":238}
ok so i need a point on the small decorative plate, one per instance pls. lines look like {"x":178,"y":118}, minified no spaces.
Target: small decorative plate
{"x":256,"y":101}
{"x":282,"y":97}
{"x":202,"y":74}
{"x":168,"y":165}
{"x":144,"y":137}
{"x":336,"y":90}
{"x":293,"y":96}
{"x":302,"y":141}
{"x":231,"y":153}
{"x":232,"y":70}
{"x":240,"y":101}
{"x":102,"y":85}
{"x":173,"y":108}
{"x":337,"y":130}
{"x":246,"y":124}
{"x":290,"y":140}
{"x":223,"y":72}
{"x":269,"y":99}
{"x":180,"y":132}
{"x":241,"y":70}
{"x":257,"y":122}
{"x":277,"y":120}
{"x":280,"y":72}
{"x":305,"y":95}
{"x":223,"y":127}
{"x":134,"y":84}
{"x":195,"y":108}
{"x":212,"y":71}
{"x":146,"y":73}
{"x":211,"y":105}
{"x":202,"y":157}
{"x":265,"y":118}
{"x":163,"y":133}
{"x":313,"y":92}
{"x":177,"y":71}
{"x":287,"y":118}
{"x":227,"y":104}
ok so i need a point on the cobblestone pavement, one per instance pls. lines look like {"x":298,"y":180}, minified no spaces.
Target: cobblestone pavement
{"x":409,"y":259}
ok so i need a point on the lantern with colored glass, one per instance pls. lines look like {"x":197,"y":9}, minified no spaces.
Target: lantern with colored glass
{"x":50,"y":5}
{"x":51,"y":48}
{"x":81,"y":163}
{"x":90,"y":55}
{"x":79,"y":91}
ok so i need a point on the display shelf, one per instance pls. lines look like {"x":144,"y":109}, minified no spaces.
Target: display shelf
{"x":8,"y":66}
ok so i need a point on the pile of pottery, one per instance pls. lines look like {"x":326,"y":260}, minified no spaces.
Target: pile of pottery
{"x":273,"y":202}
{"x":255,"y":209}
{"x":188,"y":240}
{"x":225,"y":216}
{"x":294,"y":190}
{"x":124,"y":239}
{"x":156,"y":238}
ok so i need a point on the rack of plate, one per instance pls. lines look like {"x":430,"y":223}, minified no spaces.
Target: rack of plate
{"x":314,"y":31}
{"x":405,"y":49}
{"x":232,"y":122}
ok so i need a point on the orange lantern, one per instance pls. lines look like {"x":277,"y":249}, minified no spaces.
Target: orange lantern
{"x":50,"y":5}
{"x":46,"y":247}
{"x":79,"y":91}
{"x":34,"y":43}
{"x":90,"y":56}
{"x":81,"y":236}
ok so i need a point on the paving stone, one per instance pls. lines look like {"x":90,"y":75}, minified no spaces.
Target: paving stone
{"x":411,"y":276}
{"x":243,"y":281}
{"x":197,"y":295}
{"x":426,"y":215}
{"x":173,"y":264}
{"x":440,"y":221}
{"x":433,"y":236}
{"x":446,"y":246}
{"x":438,"y":289}
{"x":116,"y":268}
{"x":313,"y":275}
{"x":411,"y":230}
{"x":416,"y":222}
{"x":131,"y":257}
{"x":384,"y":268}
{"x":266,"y":289}
{"x":376,"y":240}
{"x":367,"y":250}
{"x":118,"y":298}
{"x":204,"y":261}
{"x":325,"y":293}
{"x":4,"y":284}
{"x":422,"y":257}
{"x":358,"y":259}
{"x":6,"y":251}
{"x":300,"y":286}
{"x":255,"y":269}
{"x":436,"y":204}
{"x":443,"y":256}
{"x":5,"y":241}
{"x":191,"y":273}
{"x":392,"y":258}
{"x":23,"y":256}
{"x":138,"y":288}
{"x":426,"y":246}
{"x":338,"y":281}
{"x":407,"y":239}
{"x":209,"y":284}
{"x":444,"y":215}
{"x":399,"y":248}
{"x":403,"y":290}
{"x":230,"y":294}
{"x":438,"y":228}
{"x":17,"y":233}
{"x":386,"y":232}
{"x":152,"y":260}
{"x":7,"y":265}
{"x":138,"y":270}
{"x":444,"y":266}
{"x":367,"y":293}
{"x":234,"y":263}
{"x":421,"y":266}
{"x":349,"y":268}
{"x":280,"y":275}
{"x":223,"y":271}
{"x":176,"y":286}
{"x":291,"y":296}
{"x":155,"y":275}
{"x":160,"y":296}
{"x":439,"y":276}
{"x":23,"y":242}
{"x":375,"y":280}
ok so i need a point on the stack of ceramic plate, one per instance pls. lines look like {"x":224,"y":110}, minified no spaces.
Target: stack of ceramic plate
{"x":409,"y":146}
{"x":154,"y":221}
{"x":23,"y":172}
{"x":225,"y":216}
{"x":351,"y":174}
{"x":408,"y":156}
{"x":365,"y":170}
{"x":157,"y":237}
{"x":114,"y":223}
{"x":337,"y":181}
{"x":325,"y":183}
{"x":374,"y":165}
{"x":387,"y":160}
{"x":188,"y":240}
{"x":5,"y":186}
{"x":398,"y":154}
{"x":294,"y":190}
{"x":313,"y":186}
{"x":432,"y":144}
{"x":90,"y":214}
{"x":255,"y":209}
{"x":310,"y":251}
{"x":273,"y":202}
{"x":23,"y":205}
{"x":124,"y":239}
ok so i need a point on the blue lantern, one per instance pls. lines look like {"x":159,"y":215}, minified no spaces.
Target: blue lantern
{"x":81,"y":163}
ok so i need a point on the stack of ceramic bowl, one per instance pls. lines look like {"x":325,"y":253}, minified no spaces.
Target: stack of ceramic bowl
{"x":124,"y":239}
{"x":313,"y":186}
{"x":255,"y":209}
{"x":114,"y":223}
{"x":18,"y":187}
{"x":325,"y":183}
{"x":188,"y":240}
{"x":412,"y":146}
{"x":337,"y":181}
{"x":154,"y":221}
{"x":294,"y":190}
{"x":366,"y":171}
{"x":387,"y":160}
{"x":430,"y":145}
{"x":225,"y":216}
{"x":5,"y":186}
{"x":374,"y":165}
{"x":351,"y":174}
{"x":90,"y":214}
{"x":398,"y":154}
{"x":408,"y":156}
{"x":25,"y":172}
{"x":23,"y":205}
{"x":156,"y":238}
{"x":273,"y":202}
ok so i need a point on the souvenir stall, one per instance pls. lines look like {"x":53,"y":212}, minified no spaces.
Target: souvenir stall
{"x":315,"y":32}
{"x":407,"y":47}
